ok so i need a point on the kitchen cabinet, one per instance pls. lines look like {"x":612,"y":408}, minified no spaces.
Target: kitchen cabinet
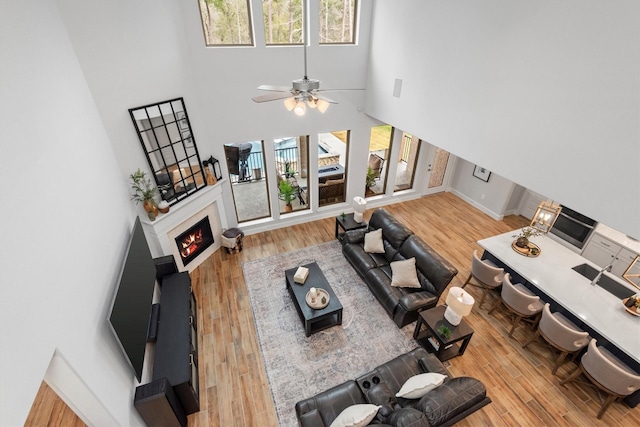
{"x":603,"y":251}
{"x":625,"y":258}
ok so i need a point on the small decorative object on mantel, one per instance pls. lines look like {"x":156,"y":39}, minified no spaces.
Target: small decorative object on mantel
{"x":144,"y":191}
{"x":215,"y":165}
{"x":163,"y":206}
{"x":301,"y":275}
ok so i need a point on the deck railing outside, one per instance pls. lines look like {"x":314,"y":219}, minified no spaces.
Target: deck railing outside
{"x":255,"y":163}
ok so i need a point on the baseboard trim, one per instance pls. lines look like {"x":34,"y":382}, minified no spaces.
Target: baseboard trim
{"x":475,"y":204}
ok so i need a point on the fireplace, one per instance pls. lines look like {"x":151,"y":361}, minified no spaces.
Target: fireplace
{"x":194,"y":240}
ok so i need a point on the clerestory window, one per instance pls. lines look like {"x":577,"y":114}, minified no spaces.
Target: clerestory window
{"x":229,"y":22}
{"x":226,"y":22}
{"x":283,"y":22}
{"x":338,"y":21}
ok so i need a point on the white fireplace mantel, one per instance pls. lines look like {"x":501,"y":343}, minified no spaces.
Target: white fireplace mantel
{"x":161,"y":233}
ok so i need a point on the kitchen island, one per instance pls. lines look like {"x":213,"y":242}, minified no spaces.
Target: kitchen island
{"x":591,"y":307}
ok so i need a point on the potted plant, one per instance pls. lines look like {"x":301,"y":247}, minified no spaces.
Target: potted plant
{"x":288,"y":172}
{"x":144,"y":191}
{"x":287,"y":193}
{"x":522,"y":239}
{"x":370,"y":179}
{"x":444,"y":331}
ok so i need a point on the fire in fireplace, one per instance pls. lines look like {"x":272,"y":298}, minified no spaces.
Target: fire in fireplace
{"x":195,"y":240}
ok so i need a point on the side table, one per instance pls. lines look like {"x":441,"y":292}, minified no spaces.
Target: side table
{"x":347,"y":223}
{"x":433,"y":342}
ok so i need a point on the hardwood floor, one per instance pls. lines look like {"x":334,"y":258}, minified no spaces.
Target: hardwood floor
{"x":48,"y":410}
{"x":234,"y":390}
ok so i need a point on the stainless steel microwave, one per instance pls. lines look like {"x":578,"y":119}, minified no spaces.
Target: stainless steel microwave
{"x":573,"y":227}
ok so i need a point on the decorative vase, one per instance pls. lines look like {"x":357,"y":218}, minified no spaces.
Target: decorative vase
{"x":288,"y":208}
{"x":522,"y":242}
{"x":151,"y":208}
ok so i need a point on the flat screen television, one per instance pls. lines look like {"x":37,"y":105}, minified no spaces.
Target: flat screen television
{"x":131,"y":308}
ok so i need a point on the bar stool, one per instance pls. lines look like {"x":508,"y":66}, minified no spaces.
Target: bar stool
{"x":486,"y":274}
{"x":606,"y":372}
{"x":560,"y":333}
{"x":520,"y":301}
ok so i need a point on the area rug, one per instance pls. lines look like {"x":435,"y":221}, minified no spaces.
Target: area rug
{"x":298,"y":366}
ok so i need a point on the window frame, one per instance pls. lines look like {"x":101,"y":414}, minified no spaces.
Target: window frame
{"x":252,"y":39}
{"x":163,"y":132}
{"x":354,"y":24}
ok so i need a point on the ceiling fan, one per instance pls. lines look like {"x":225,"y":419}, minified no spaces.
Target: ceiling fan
{"x":302,"y":92}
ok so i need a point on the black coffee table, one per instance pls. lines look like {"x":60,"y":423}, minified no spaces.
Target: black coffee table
{"x":312,"y":319}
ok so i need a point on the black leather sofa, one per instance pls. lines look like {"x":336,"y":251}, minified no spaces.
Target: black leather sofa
{"x":445,"y":405}
{"x":400,"y":243}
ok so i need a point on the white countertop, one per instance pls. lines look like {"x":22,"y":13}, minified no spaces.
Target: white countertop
{"x":551,"y":272}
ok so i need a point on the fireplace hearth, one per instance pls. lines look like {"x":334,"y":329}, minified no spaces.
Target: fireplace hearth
{"x":194,"y":240}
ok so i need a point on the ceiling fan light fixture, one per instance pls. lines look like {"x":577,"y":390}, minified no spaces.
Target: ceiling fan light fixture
{"x":312,"y":102}
{"x":290,"y":103}
{"x":300,"y":108}
{"x":322,"y":105}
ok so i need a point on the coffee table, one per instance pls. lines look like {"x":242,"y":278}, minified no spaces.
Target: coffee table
{"x":312,"y":319}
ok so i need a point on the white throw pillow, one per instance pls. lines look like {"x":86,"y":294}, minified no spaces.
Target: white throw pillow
{"x":403,"y":274}
{"x":373,"y":242}
{"x":356,"y":416}
{"x":419,"y":385}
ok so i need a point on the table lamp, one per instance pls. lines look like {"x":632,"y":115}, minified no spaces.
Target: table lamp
{"x":359,"y":206}
{"x":459,"y":303}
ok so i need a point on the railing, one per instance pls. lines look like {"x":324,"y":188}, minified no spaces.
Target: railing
{"x":255,"y":164}
{"x":406,"y":151}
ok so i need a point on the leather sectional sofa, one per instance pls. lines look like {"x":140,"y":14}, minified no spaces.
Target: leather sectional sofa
{"x":445,"y":405}
{"x":400,"y":243}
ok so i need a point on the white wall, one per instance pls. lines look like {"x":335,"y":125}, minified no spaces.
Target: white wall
{"x":494,"y":197}
{"x":65,"y":220}
{"x":157,"y":52}
{"x":543,"y":93}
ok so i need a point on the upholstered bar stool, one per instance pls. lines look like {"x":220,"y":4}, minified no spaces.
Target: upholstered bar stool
{"x":561,"y":334}
{"x":486,"y":274}
{"x":607,"y":373}
{"x":520,"y":301}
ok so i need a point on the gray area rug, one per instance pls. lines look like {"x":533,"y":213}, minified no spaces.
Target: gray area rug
{"x":298,"y":366}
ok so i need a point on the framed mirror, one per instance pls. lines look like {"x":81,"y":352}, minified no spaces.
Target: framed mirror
{"x":632,"y":273}
{"x":168,"y":142}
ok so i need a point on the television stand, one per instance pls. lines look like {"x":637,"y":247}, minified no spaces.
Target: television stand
{"x":176,"y":350}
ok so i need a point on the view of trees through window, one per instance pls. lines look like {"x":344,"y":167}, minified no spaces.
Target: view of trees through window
{"x":282,"y":21}
{"x":337,"y":21}
{"x":226,"y":22}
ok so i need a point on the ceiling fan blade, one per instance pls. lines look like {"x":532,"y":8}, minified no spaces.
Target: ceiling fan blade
{"x":324,"y":98}
{"x":274,"y":88}
{"x":271,"y":96}
{"x":338,"y":90}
